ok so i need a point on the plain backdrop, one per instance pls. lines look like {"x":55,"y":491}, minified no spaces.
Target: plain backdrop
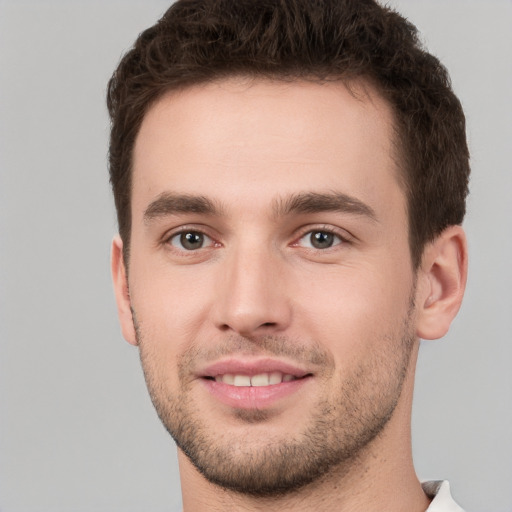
{"x":77,"y":430}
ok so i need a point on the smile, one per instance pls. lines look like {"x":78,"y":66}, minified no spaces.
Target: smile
{"x":259,"y":380}
{"x":253,"y":384}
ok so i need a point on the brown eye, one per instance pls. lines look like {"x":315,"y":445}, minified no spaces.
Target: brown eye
{"x":190,"y":240}
{"x":320,"y":240}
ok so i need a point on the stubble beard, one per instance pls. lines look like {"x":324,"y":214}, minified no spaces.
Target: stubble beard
{"x":337,"y":432}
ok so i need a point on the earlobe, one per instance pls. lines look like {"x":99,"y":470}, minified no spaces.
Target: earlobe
{"x":121,"y":290}
{"x":441,"y":283}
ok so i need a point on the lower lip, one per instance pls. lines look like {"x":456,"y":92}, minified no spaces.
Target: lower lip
{"x":253,"y":397}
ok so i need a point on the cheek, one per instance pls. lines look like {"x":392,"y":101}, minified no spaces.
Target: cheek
{"x":350,"y":309}
{"x":171,"y":314}
{"x":167,"y":323}
{"x":171,"y":307}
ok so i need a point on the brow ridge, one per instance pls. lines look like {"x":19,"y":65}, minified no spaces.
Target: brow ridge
{"x":317,"y":202}
{"x":169,"y":203}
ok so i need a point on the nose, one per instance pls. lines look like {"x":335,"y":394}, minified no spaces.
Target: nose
{"x":252,"y":294}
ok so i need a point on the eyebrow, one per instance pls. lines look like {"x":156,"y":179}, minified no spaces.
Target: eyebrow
{"x":314,"y":202}
{"x":171,"y":204}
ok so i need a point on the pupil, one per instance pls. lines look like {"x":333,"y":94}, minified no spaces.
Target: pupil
{"x":322,"y":240}
{"x":191,"y":240}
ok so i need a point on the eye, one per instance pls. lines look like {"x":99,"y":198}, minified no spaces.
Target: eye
{"x":190,"y":240}
{"x":320,"y":239}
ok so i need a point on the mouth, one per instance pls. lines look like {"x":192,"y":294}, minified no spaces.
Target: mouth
{"x":258,"y":380}
{"x":253,"y":385}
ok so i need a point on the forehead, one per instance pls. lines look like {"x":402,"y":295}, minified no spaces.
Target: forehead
{"x":243,"y":137}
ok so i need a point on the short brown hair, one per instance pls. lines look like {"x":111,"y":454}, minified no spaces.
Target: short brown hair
{"x":198,"y":41}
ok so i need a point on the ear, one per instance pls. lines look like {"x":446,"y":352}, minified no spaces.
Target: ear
{"x":441,"y":283}
{"x":122,"y":293}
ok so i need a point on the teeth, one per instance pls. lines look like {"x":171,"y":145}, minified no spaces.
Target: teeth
{"x":229,"y":379}
{"x":275,"y":378}
{"x":262,"y":379}
{"x":242,"y":381}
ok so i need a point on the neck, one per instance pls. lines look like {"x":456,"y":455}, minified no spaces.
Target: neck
{"x":382,"y":478}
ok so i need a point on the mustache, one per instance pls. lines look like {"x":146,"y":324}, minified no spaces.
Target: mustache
{"x":270,"y":345}
{"x":309,"y":354}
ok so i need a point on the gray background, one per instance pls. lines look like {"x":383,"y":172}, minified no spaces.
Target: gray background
{"x":77,"y":430}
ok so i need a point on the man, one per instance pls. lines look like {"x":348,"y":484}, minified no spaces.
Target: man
{"x":290,"y":179}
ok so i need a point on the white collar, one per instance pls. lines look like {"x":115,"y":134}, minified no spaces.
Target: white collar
{"x":442,"y":500}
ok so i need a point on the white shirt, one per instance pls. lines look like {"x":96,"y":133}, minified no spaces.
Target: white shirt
{"x":442,"y":499}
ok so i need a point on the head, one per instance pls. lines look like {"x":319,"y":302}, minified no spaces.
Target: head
{"x":289,"y":179}
{"x":334,"y":40}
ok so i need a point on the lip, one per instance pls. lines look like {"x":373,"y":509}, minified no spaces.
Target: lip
{"x":249,"y":397}
{"x":251,"y":367}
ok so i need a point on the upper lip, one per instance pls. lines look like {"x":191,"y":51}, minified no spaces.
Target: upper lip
{"x":238,"y":366}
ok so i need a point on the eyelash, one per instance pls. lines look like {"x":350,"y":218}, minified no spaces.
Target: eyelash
{"x":184,"y":230}
{"x":343,"y":239}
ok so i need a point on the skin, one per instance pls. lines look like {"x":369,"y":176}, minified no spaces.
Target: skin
{"x":349,"y":315}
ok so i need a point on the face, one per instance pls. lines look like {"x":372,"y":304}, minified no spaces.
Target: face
{"x":270,"y":277}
